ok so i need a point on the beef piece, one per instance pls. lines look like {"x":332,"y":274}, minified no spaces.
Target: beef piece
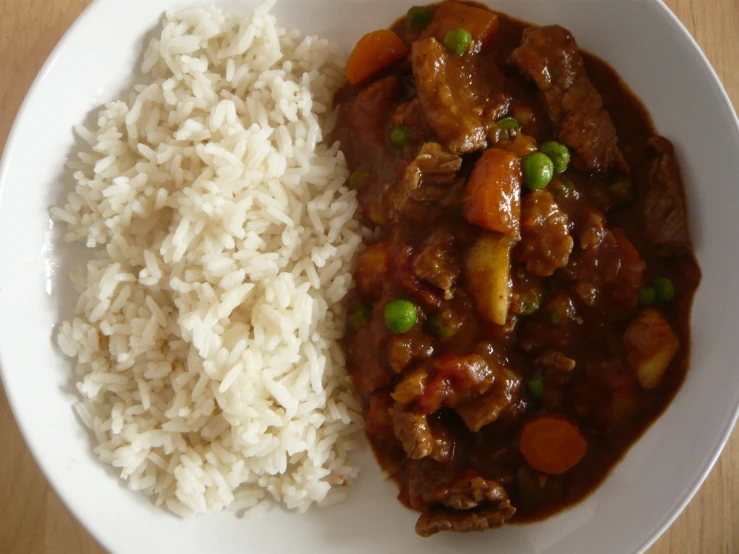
{"x":435,"y":520}
{"x":486,"y":409}
{"x":443,"y":449}
{"x":481,"y":23}
{"x":411,"y":385}
{"x":367,"y":371}
{"x":366,"y":117}
{"x":408,"y":347}
{"x":609,"y":272}
{"x":378,"y":420}
{"x":593,"y":231}
{"x":411,"y":115}
{"x":372,"y":269}
{"x":430,"y":482}
{"x":550,"y":57}
{"x":428,"y":178}
{"x":555,"y":360}
{"x":413,"y":431}
{"x":363,"y":134}
{"x":436,"y":263}
{"x":664,"y":213}
{"x":457,"y":93}
{"x":453,"y":380}
{"x":447,"y":495}
{"x":456,"y":490}
{"x":420,"y":437}
{"x":429,"y":297}
{"x":546,"y":243}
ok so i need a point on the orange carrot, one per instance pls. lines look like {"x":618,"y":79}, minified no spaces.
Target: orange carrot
{"x":552,"y":444}
{"x":374,"y":52}
{"x":481,"y":23}
{"x":492,"y":198}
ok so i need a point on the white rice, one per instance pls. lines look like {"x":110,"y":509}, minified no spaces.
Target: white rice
{"x":206,"y":332}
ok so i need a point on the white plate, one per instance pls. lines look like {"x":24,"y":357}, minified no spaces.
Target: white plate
{"x":655,"y":56}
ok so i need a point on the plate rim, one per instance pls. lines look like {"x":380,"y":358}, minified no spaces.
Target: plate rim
{"x":657,"y":531}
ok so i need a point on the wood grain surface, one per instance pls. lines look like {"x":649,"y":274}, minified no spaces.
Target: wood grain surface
{"x":32,"y":518}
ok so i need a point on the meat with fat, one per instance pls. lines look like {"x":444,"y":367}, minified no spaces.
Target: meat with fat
{"x":436,"y":262}
{"x":664,"y":213}
{"x":551,"y":58}
{"x":546,"y":243}
{"x":458,"y":94}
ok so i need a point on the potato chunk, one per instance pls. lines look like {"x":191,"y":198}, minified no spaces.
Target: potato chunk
{"x":650,"y":346}
{"x":488,"y":276}
{"x":372,"y":268}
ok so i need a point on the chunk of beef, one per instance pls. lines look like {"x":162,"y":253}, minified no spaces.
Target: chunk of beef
{"x":435,"y":483}
{"x":413,"y":431}
{"x":453,"y":380}
{"x":429,"y":297}
{"x":436,"y":263}
{"x":408,"y":347}
{"x":363,"y":137}
{"x":445,"y":489}
{"x":367,"y":372}
{"x":546,"y":243}
{"x":420,"y":437}
{"x":436,"y":520}
{"x":443,"y":449}
{"x":372,"y":268}
{"x":411,"y":115}
{"x":609,"y":272}
{"x":367,"y":118}
{"x":550,"y":57}
{"x":484,"y":410}
{"x":378,"y":421}
{"x":411,"y":385}
{"x":481,"y":23}
{"x":664,"y":213}
{"x":457,"y":94}
{"x":428,"y":178}
{"x":556,"y":361}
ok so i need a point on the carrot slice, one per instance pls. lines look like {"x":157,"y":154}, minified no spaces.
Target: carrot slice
{"x":552,"y":444}
{"x":374,"y":52}
{"x":492,"y":197}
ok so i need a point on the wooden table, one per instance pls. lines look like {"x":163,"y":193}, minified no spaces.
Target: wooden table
{"x":32,"y":518}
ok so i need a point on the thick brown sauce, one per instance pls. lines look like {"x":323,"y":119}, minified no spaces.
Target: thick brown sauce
{"x":607,"y":443}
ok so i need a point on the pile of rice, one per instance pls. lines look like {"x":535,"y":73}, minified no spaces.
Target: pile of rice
{"x":207,"y":331}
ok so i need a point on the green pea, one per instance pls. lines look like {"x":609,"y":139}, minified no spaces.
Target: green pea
{"x":622,"y":190}
{"x":400,"y":316}
{"x":418,"y":17}
{"x":507,"y":123}
{"x":647,"y":296}
{"x":563,"y":186}
{"x":536,"y":387}
{"x":356,"y":176}
{"x":439,"y":326}
{"x":458,"y":41}
{"x":359,"y":316}
{"x":558,"y":153}
{"x":538,"y":170}
{"x":400,"y":136}
{"x":531,"y":303}
{"x":664,"y":289}
{"x":553,"y":316}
